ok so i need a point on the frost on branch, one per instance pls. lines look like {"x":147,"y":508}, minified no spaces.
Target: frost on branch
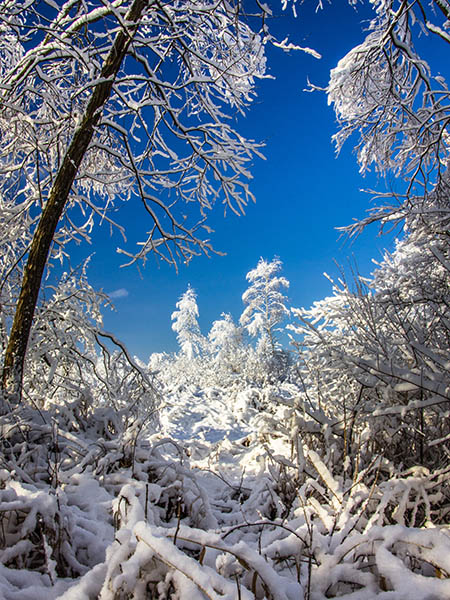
{"x":384,"y":91}
{"x":163,"y":136}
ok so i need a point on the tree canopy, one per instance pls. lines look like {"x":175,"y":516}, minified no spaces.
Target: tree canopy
{"x":108,"y":101}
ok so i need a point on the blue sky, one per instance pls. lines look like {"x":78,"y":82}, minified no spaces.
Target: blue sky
{"x":303,"y":192}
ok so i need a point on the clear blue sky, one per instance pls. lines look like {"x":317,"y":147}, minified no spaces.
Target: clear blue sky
{"x":303,"y":192}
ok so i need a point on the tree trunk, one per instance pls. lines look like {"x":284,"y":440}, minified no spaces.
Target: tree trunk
{"x":13,"y":367}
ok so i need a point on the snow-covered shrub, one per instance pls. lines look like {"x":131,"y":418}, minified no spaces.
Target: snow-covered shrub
{"x":54,"y":520}
{"x":72,"y":359}
{"x":374,"y":362}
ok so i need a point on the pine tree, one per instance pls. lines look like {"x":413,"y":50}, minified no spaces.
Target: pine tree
{"x":186,"y":326}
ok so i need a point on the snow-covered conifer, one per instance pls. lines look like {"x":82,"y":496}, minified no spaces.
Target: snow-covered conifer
{"x":226,"y":342}
{"x":225,"y":335}
{"x":266,"y":304}
{"x":186,"y":326}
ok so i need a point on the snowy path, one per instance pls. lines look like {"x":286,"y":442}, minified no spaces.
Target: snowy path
{"x":219,"y":435}
{"x":203,"y":416}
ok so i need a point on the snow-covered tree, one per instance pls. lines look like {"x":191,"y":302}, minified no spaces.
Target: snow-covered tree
{"x":225,"y":336}
{"x":266,"y":304}
{"x":72,"y":359}
{"x":226,"y":343}
{"x":109,"y":101}
{"x":186,"y":326}
{"x":380,"y":350}
{"x":265,"y":311}
{"x":14,"y":240}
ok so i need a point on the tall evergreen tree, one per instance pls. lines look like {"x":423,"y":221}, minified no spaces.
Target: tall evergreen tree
{"x":186,"y":326}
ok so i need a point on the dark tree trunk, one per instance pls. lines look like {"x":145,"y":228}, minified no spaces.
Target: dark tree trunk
{"x":12,"y":375}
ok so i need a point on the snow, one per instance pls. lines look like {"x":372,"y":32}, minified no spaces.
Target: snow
{"x":203,"y":417}
{"x":230,"y":470}
{"x":211,"y":522}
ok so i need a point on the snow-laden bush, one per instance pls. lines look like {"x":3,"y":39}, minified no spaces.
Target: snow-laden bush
{"x":72,"y":359}
{"x":373,"y":361}
{"x":95,"y":507}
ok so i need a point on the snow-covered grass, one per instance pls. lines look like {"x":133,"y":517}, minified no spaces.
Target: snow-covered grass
{"x":213,"y":502}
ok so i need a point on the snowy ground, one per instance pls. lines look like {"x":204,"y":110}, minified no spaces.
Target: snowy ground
{"x":205,"y":417}
{"x":209,"y":507}
{"x":219,"y":436}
